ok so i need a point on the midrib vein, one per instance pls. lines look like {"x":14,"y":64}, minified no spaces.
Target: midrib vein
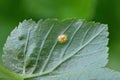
{"x":66,"y":58}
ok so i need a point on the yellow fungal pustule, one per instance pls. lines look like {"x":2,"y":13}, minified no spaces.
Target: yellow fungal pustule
{"x":62,"y":38}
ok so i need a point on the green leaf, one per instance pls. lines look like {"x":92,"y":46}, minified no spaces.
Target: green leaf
{"x":7,"y":75}
{"x":89,"y":74}
{"x":33,"y":51}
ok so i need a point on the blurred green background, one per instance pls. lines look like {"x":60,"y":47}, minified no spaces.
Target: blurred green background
{"x":105,"y":11}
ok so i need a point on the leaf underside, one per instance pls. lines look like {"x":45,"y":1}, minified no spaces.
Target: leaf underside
{"x":33,"y":51}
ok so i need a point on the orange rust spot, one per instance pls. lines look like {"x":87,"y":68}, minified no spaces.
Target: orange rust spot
{"x":62,"y":38}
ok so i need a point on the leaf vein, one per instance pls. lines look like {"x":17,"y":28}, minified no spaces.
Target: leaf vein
{"x":41,"y":47}
{"x":25,"y":51}
{"x":75,"y":52}
{"x":51,"y":51}
{"x":65,"y":49}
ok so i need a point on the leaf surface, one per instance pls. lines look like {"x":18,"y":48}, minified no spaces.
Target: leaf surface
{"x":33,"y":51}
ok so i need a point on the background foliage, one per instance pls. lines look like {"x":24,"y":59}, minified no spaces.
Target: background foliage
{"x":105,"y":11}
